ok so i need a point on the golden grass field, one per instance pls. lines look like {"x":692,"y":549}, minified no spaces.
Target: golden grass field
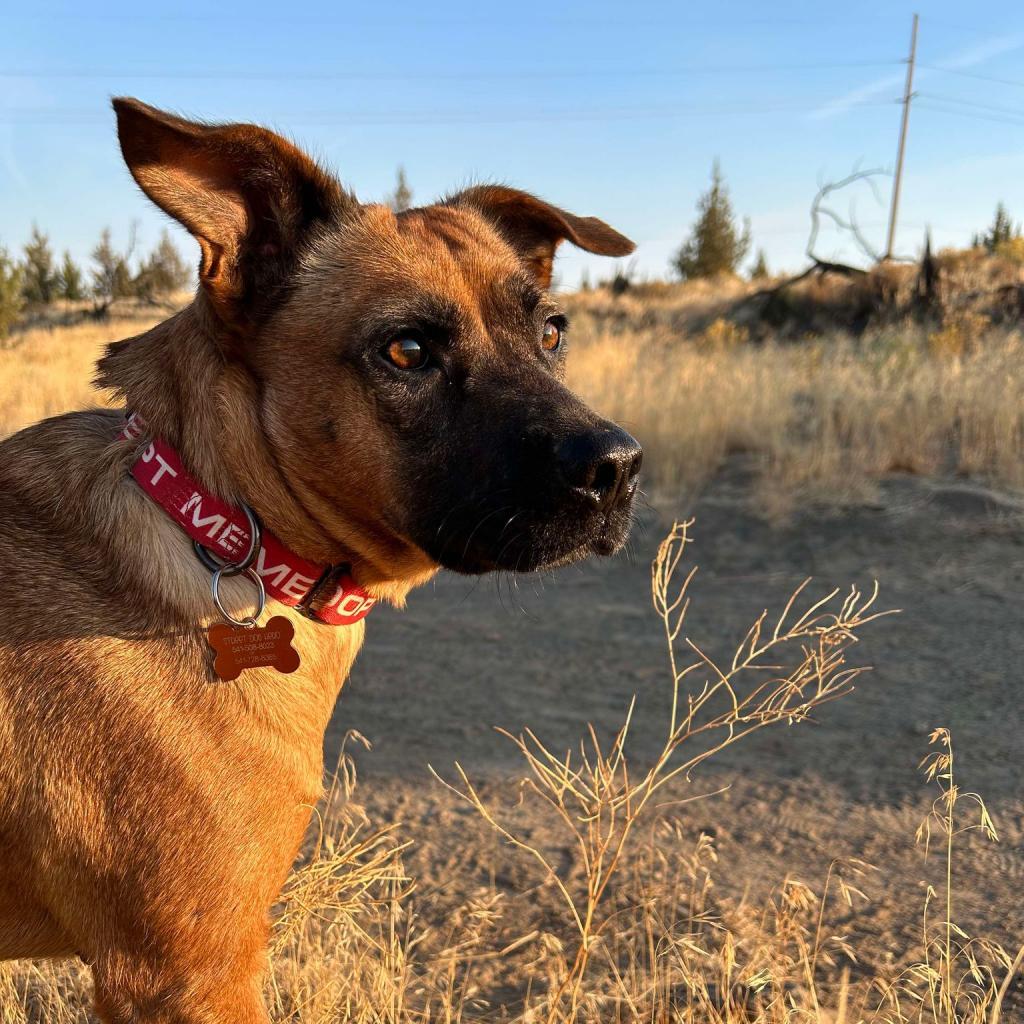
{"x":825,"y":419}
{"x":637,"y":931}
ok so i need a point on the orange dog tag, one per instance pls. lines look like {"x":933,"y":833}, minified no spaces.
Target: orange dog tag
{"x":238,"y":648}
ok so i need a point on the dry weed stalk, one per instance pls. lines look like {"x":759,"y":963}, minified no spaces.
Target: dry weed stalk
{"x":781,"y":672}
{"x":961,"y":979}
{"x":337,"y":948}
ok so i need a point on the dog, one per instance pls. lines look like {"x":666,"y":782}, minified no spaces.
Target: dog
{"x":354,"y":399}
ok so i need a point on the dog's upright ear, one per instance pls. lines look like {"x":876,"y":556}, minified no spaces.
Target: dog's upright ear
{"x":535,"y":228}
{"x":248,"y":196}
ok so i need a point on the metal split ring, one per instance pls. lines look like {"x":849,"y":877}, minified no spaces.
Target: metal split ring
{"x":221,"y":569}
{"x":213,"y":563}
{"x":261,"y":594}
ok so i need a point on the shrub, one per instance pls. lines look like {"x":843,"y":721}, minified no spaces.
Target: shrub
{"x":401,"y":198}
{"x":11,"y":296}
{"x":163,"y":272}
{"x":722,"y":335}
{"x":958,"y":334}
{"x":111,"y":278}
{"x":39,"y":279}
{"x":1002,"y":230}
{"x":70,"y":282}
{"x":1012,"y":249}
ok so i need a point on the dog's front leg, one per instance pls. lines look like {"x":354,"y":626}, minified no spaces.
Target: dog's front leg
{"x":159,"y":996}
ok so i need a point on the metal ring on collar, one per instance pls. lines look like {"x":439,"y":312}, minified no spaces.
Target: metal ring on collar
{"x":213,"y":563}
{"x":261,"y":594}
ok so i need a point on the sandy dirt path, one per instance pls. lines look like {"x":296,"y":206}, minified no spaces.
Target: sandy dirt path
{"x":558,"y":652}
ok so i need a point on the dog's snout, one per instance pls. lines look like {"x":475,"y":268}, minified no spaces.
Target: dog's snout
{"x":601,"y":464}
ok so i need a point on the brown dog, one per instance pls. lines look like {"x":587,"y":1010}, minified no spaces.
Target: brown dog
{"x":384,"y":391}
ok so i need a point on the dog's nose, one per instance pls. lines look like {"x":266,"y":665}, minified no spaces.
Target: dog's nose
{"x":601,"y":464}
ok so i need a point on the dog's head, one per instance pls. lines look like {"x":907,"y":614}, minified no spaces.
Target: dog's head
{"x":404,"y":370}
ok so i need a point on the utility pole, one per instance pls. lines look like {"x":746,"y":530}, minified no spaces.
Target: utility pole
{"x":908,"y":95}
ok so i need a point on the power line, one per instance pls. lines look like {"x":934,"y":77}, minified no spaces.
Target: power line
{"x":353,"y":19}
{"x":37,"y":116}
{"x":975,"y":30}
{"x":991,"y":107}
{"x":974,"y":74}
{"x":936,"y":108}
{"x":458,"y":76}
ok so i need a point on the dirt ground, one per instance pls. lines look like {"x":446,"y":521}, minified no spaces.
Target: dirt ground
{"x":557,"y":652}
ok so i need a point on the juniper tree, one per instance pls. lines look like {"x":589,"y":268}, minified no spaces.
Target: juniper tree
{"x":401,"y":198}
{"x":163,"y":272}
{"x":716,"y":245}
{"x":39,"y":280}
{"x":760,"y":268}
{"x":12,"y":298}
{"x":1003,"y":230}
{"x":70,"y":283}
{"x":111,"y":277}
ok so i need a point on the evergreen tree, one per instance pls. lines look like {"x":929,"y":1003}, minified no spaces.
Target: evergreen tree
{"x":401,"y":198}
{"x":716,"y":245}
{"x":11,"y":293}
{"x":70,"y":283}
{"x":39,"y":280}
{"x":111,"y":278}
{"x":760,"y":268}
{"x":1003,"y":230}
{"x":164,"y":272}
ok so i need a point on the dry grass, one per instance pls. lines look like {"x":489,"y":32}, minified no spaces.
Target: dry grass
{"x":47,"y":371}
{"x":822,"y":421}
{"x":637,"y":935}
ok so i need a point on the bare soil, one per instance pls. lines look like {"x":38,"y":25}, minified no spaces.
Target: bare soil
{"x":559,"y":651}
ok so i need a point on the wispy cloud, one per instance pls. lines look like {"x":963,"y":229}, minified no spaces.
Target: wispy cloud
{"x":960,"y":61}
{"x":9,"y":162}
{"x":855,"y":97}
{"x":982,"y":52}
{"x":17,"y":93}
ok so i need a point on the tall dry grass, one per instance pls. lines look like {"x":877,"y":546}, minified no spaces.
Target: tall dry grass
{"x":822,"y":421}
{"x":48,"y":371}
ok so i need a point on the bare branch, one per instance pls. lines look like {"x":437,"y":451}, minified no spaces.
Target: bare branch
{"x":849,"y":224}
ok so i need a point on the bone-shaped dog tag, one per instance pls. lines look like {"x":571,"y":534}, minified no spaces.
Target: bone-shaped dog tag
{"x":238,"y":648}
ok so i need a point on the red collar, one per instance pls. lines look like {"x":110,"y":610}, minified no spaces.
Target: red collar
{"x":325,"y":593}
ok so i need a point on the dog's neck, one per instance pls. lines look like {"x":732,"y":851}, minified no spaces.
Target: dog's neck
{"x":177,"y":377}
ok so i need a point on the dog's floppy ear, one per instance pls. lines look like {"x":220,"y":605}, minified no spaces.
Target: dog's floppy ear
{"x":535,"y":228}
{"x":247,"y":195}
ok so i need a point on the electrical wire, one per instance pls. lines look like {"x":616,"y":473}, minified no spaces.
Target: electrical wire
{"x":433,"y":75}
{"x":938,"y":108}
{"x":56,"y":115}
{"x":989,"y":107}
{"x":973,"y":74}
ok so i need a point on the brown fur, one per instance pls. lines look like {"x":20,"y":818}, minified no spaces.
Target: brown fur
{"x":149,"y":814}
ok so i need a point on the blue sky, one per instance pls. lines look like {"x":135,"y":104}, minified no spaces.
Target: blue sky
{"x":610,"y":109}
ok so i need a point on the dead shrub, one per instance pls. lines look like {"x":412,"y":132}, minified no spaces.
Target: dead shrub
{"x":722,"y":335}
{"x":960,"y":333}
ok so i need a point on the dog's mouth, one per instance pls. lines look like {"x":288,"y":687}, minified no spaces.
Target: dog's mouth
{"x":538,"y":492}
{"x":520,"y":540}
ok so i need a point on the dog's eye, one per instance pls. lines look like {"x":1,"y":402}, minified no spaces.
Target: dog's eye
{"x":406,"y":354}
{"x":552,"y":336}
